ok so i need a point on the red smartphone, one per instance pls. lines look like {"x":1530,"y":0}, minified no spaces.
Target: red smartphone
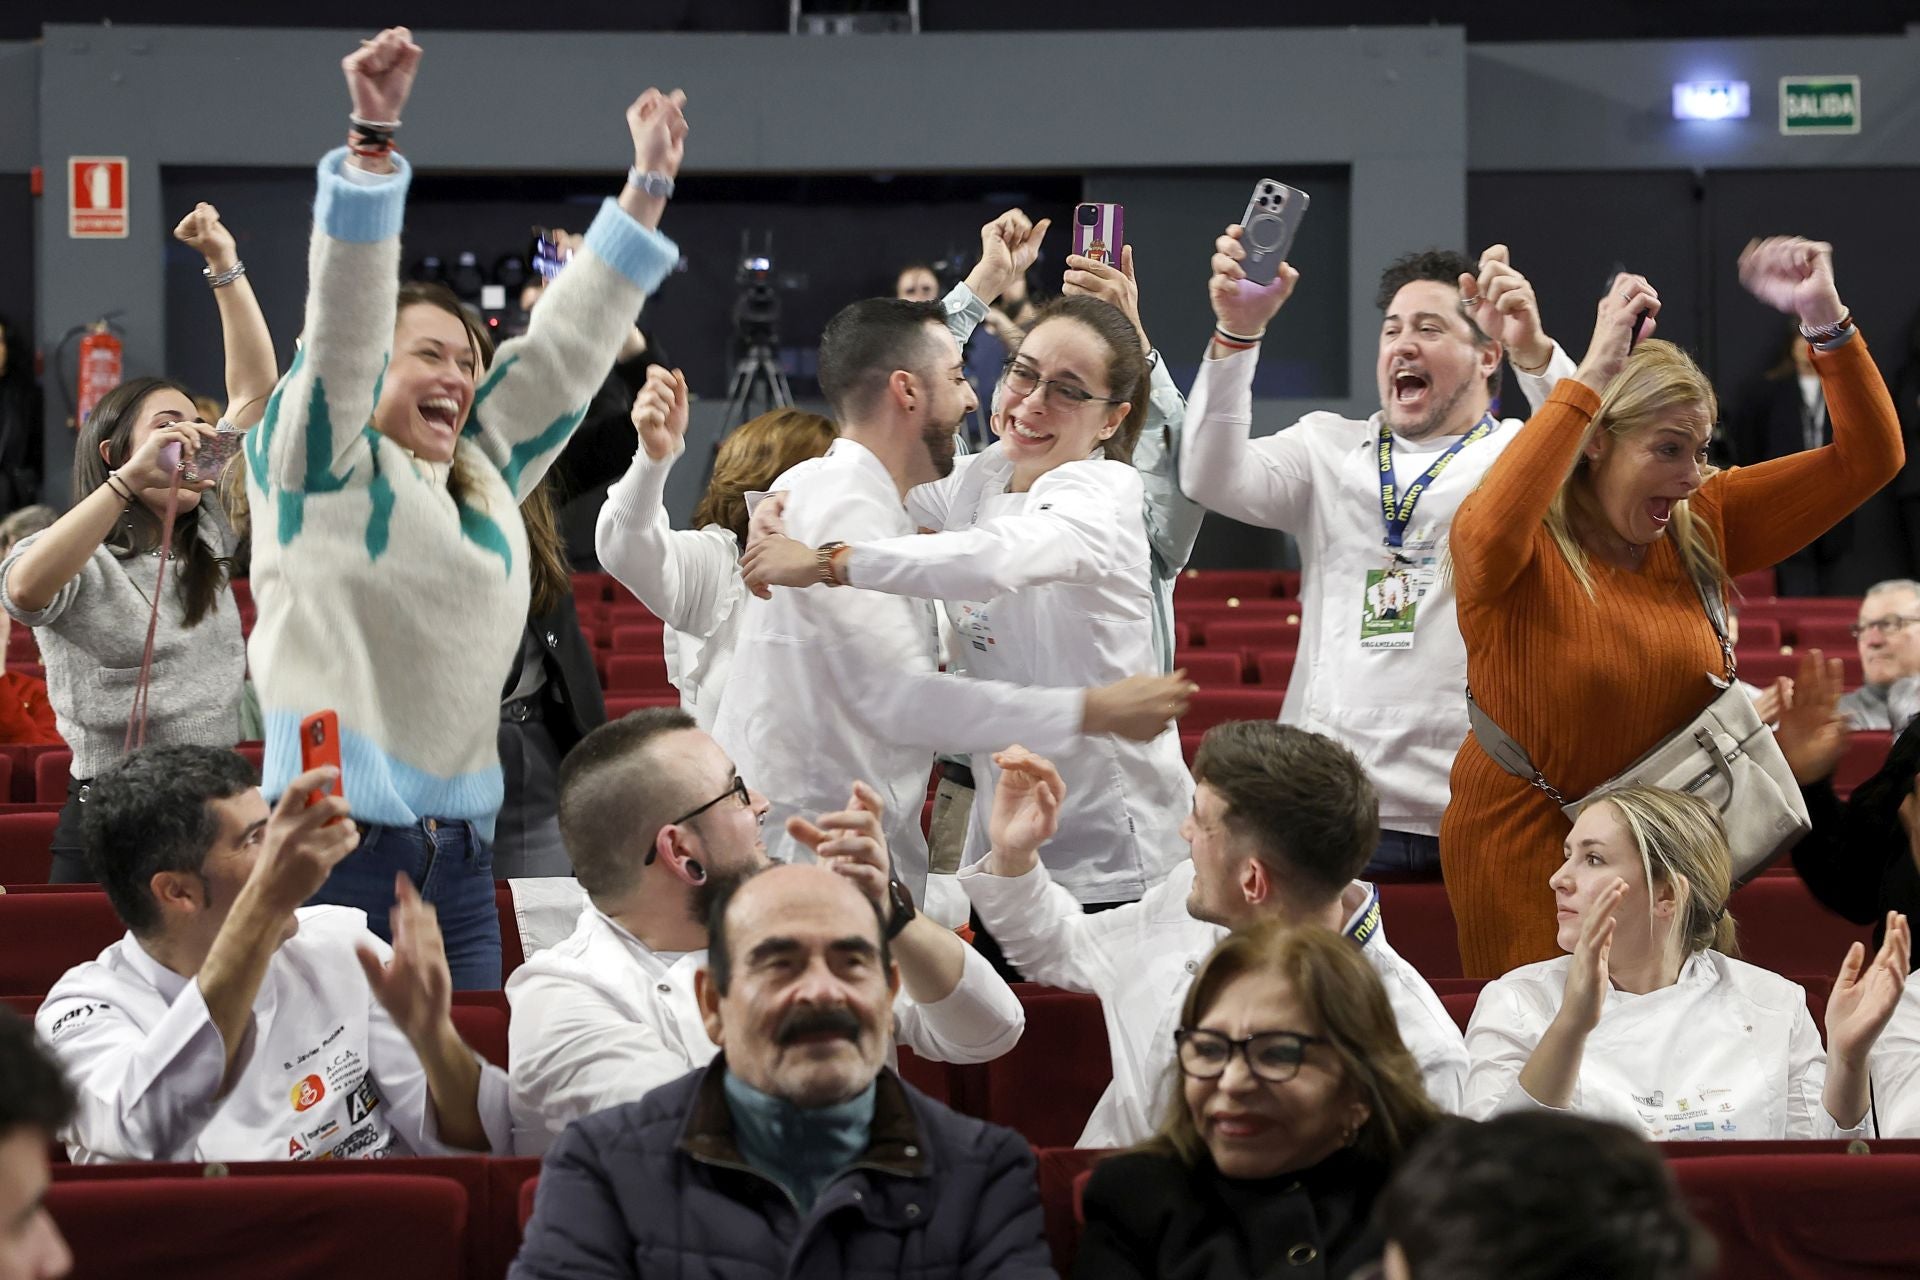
{"x":320,"y":747}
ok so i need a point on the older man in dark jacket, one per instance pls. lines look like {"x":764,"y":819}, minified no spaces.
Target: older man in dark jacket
{"x":796,"y":1153}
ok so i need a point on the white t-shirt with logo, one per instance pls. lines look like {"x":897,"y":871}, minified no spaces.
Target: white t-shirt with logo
{"x":323,"y":1074}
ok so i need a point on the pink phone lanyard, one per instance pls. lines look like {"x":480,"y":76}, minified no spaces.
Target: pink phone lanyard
{"x":137,"y":718}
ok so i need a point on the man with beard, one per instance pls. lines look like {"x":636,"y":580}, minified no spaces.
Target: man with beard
{"x":660,"y":825}
{"x":796,"y":1152}
{"x":1282,"y":821}
{"x":839,"y":684}
{"x":1373,"y":500}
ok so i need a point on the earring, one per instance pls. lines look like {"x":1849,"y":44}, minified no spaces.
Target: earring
{"x":696,"y":872}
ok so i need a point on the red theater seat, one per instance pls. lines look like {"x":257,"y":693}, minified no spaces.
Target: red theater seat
{"x":529,"y":1191}
{"x":1047,"y":1085}
{"x":42,"y":935}
{"x":293,"y":1227}
{"x":1758,"y":583}
{"x":1783,"y":929}
{"x":1806,"y":1215}
{"x":640,"y":639}
{"x":618,"y":705}
{"x":23,"y":758}
{"x":1460,"y":1006}
{"x":1760,"y":633}
{"x":1062,"y":1176}
{"x":639,"y":673}
{"x":1209,"y":666}
{"x":50,"y":774}
{"x":484,"y":1028}
{"x":26,"y":847}
{"x":1217,"y":706}
{"x":1274,"y":667}
{"x":1832,"y":634}
{"x":254,"y":753}
{"x":1255,"y":633}
{"x":512,"y":952}
{"x":1219,"y":584}
{"x":1419,"y":922}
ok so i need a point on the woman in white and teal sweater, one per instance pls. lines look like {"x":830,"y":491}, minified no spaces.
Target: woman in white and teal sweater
{"x":389,"y":560}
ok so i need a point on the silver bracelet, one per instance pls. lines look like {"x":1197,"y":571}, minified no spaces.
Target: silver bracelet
{"x":652,"y":182}
{"x":221,"y":279}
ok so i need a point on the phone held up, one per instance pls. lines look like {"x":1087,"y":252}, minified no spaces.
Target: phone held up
{"x":1099,"y":230}
{"x":210,"y":458}
{"x":320,"y":747}
{"x":1639,"y":321}
{"x":1268,"y":227}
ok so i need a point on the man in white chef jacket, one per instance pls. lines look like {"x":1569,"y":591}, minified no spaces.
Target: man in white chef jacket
{"x":831,"y":685}
{"x":1282,"y":821}
{"x":1382,"y":666}
{"x":230,"y":1023}
{"x":657,"y":822}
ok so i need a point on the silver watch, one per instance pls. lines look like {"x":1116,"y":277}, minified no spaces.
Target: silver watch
{"x":652,"y":182}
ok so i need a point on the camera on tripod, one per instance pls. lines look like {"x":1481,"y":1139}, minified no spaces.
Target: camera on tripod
{"x":756,"y":308}
{"x":757,"y":376}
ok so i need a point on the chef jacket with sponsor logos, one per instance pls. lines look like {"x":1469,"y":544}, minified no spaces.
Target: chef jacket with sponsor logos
{"x":323,"y":1073}
{"x":1140,"y":958}
{"x":603,"y":1019}
{"x":1728,"y":1052}
{"x":1052,"y":587}
{"x":1401,"y":710}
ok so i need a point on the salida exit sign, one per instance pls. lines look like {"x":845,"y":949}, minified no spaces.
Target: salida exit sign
{"x":1819,"y":104}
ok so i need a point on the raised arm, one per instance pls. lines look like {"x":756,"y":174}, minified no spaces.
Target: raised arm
{"x":251,"y":369}
{"x":1774,"y":508}
{"x":537,"y":391}
{"x":1220,"y":466}
{"x":683,"y":575}
{"x":1173,"y":519}
{"x":1493,"y":536}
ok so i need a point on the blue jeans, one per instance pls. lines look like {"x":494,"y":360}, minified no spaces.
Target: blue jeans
{"x":1401,"y":855}
{"x":453,"y":869}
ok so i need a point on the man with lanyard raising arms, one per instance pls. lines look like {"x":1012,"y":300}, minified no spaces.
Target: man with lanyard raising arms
{"x":1381,"y":665}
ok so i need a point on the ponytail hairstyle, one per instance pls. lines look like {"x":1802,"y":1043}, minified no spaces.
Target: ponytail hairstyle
{"x":202,"y":573}
{"x":1126,"y":363}
{"x":1682,"y":843}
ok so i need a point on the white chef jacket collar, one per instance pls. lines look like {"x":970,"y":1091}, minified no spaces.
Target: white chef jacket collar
{"x":162,"y":979}
{"x":662,"y":960}
{"x":1695,"y":971}
{"x":866,"y":457}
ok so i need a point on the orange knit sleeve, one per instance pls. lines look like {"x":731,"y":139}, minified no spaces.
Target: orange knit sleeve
{"x":1493,"y":532}
{"x":1772,"y":509}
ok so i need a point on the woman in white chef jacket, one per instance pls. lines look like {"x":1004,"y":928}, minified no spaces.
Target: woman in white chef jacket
{"x":1040,"y":554}
{"x":1648,"y":1021}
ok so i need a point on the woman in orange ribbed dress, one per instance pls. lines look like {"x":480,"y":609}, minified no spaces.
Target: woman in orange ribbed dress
{"x":1586,"y":638}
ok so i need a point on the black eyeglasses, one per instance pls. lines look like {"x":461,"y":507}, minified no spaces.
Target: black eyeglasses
{"x":739,"y":788}
{"x":1273,"y":1056}
{"x":1892,"y":624}
{"x":1023,"y":379}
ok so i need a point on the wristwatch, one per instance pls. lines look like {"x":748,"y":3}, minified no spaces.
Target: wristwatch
{"x":1819,"y":333}
{"x":903,"y":908}
{"x":652,"y":182}
{"x":823,"y":561}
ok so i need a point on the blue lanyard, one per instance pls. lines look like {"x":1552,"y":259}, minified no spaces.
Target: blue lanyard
{"x":1398,"y":507}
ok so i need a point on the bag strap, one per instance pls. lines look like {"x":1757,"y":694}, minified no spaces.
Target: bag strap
{"x":1502,"y":748}
{"x":137,"y":717}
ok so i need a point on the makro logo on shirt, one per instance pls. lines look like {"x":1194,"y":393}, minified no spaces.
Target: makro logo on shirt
{"x":307,"y":1093}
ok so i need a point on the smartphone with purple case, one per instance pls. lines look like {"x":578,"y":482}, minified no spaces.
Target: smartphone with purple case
{"x":1268,"y":226}
{"x":1099,"y":230}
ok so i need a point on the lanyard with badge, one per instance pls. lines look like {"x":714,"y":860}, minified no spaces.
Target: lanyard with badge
{"x":1392,"y":594}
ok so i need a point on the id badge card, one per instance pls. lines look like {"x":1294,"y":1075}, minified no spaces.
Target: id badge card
{"x":1388,"y":604}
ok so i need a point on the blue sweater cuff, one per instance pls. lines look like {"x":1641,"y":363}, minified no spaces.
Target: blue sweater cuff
{"x":640,"y":255}
{"x":356,"y":212}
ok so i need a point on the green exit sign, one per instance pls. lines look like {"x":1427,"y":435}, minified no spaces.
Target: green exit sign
{"x":1819,"y":104}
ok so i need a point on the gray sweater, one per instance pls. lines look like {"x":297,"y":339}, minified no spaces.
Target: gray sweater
{"x":91,"y":638}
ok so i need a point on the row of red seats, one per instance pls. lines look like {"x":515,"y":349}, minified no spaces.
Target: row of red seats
{"x":1776,"y":1209}
{"x":37,"y":774}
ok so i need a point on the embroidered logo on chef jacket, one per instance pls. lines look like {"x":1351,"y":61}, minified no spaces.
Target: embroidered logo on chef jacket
{"x":361,"y":1102}
{"x":306,"y":1094}
{"x":297,"y":1150}
{"x":975,"y":624}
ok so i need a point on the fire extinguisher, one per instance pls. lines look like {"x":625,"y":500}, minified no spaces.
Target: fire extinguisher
{"x":100,"y":367}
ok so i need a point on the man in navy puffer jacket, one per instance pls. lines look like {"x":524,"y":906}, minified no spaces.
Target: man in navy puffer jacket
{"x":795,"y":1153}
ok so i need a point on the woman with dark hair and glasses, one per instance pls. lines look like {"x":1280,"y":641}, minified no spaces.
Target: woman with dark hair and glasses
{"x":1041,"y":554}
{"x":85,"y":584}
{"x":1296,"y":1101}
